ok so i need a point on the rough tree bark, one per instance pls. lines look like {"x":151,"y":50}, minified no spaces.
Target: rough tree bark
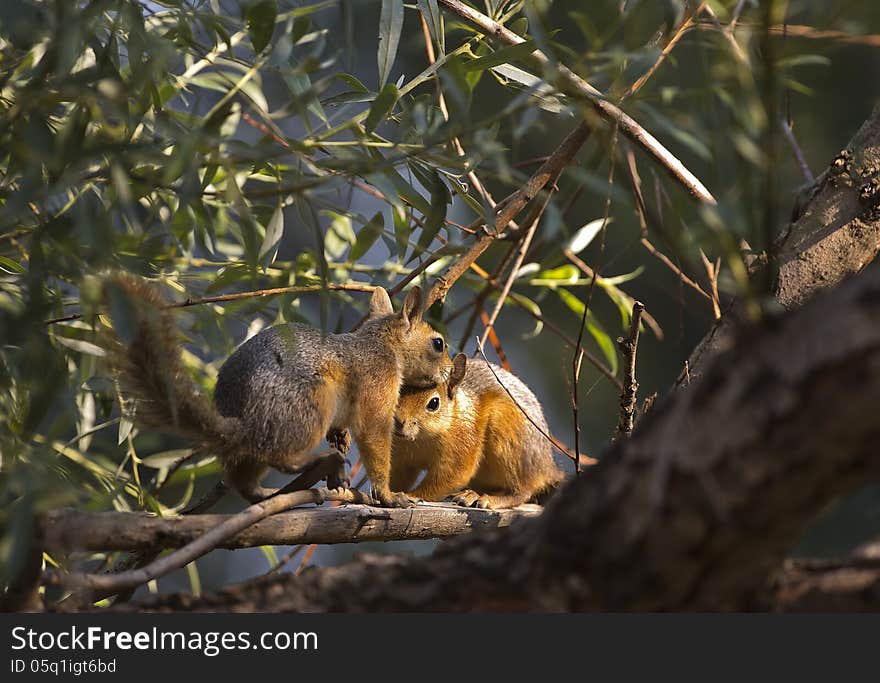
{"x":834,"y":233}
{"x":694,"y":512}
{"x":64,"y":530}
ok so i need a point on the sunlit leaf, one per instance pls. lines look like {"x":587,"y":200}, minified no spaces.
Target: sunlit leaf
{"x":602,"y":338}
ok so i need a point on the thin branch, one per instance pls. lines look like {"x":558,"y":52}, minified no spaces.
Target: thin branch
{"x":712,"y":271}
{"x":577,"y":85}
{"x":347,"y":287}
{"x":476,"y":305}
{"x":798,"y":153}
{"x":578,"y":358}
{"x":628,"y":348}
{"x":496,"y":342}
{"x":642,"y":213}
{"x":686,"y":23}
{"x":586,"y":270}
{"x":570,"y":342}
{"x":524,"y":244}
{"x":735,"y":16}
{"x":557,"y":161}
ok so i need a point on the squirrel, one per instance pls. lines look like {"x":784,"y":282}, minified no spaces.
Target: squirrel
{"x":473,"y":440}
{"x":282,"y":390}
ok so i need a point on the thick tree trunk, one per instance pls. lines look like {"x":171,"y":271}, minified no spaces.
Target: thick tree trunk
{"x":694,"y":512}
{"x":835,"y":232}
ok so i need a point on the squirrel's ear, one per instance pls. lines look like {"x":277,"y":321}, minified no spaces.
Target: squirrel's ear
{"x":380,"y":303}
{"x":459,"y":368}
{"x":412,"y":306}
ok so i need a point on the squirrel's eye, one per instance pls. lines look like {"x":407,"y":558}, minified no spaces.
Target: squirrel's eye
{"x":433,"y":404}
{"x":438,"y":344}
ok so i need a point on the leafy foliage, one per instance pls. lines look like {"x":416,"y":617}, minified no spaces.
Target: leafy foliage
{"x":223,"y":147}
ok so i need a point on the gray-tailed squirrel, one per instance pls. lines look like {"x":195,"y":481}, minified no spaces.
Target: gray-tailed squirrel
{"x":281,"y":391}
{"x":473,"y":440}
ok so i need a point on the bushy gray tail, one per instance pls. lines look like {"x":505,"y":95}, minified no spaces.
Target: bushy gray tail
{"x":145,"y":351}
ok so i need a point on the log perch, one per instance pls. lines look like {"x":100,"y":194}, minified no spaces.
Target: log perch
{"x":68,"y":530}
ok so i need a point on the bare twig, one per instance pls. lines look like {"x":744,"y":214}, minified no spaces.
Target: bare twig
{"x":476,"y":305}
{"x":586,"y":270}
{"x":560,"y":158}
{"x":712,"y":271}
{"x":578,"y":358}
{"x":735,"y":16}
{"x":524,"y":244}
{"x":798,"y":154}
{"x":294,"y":289}
{"x":642,"y":213}
{"x":727,"y":32}
{"x":628,"y":349}
{"x":573,"y":83}
{"x":686,"y":23}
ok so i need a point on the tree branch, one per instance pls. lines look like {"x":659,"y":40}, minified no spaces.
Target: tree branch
{"x":693,"y":512}
{"x":69,"y":530}
{"x":834,"y":234}
{"x":574,"y":84}
{"x":509,"y":209}
{"x":628,"y":348}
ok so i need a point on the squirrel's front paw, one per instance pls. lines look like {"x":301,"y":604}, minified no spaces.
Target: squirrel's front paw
{"x":394,"y":499}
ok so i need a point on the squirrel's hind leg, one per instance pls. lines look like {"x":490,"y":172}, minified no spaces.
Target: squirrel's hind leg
{"x":472,"y":499}
{"x":313,"y":467}
{"x":245,"y":477}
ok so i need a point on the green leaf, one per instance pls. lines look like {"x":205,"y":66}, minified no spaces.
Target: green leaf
{"x":340,"y":235}
{"x":505,"y":55}
{"x":82,"y":346}
{"x":260,"y":18}
{"x":353,"y":82}
{"x":402,"y":229}
{"x":274,"y":233}
{"x":602,"y":338}
{"x":381,"y":107}
{"x":367,"y":236}
{"x":390,"y":26}
{"x":436,"y":217}
{"x":431,"y":12}
{"x":562,"y":275}
{"x":10,"y":266}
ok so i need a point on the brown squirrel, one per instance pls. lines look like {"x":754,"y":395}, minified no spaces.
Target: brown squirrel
{"x":282,"y":390}
{"x":472,"y":439}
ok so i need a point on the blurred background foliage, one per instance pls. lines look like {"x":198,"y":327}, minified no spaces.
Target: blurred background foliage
{"x":227,"y":146}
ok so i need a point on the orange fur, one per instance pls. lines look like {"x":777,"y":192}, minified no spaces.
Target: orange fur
{"x":478,"y":444}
